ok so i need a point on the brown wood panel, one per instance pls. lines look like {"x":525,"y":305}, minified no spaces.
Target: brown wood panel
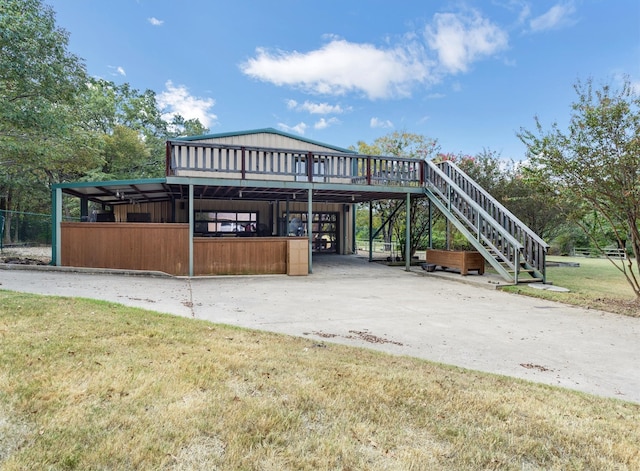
{"x":239,"y":256}
{"x":165,"y":248}
{"x":159,"y":211}
{"x":298,"y":256}
{"x":129,"y":246}
{"x":459,"y":259}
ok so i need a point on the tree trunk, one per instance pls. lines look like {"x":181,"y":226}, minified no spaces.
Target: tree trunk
{"x":7,"y":219}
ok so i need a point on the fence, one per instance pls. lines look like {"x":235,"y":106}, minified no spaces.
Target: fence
{"x":606,"y":252}
{"x":378,"y":245}
{"x":22,"y":228}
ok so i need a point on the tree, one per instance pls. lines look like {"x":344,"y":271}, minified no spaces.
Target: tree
{"x":131,"y":128}
{"x":57,"y":124}
{"x":186,"y":127}
{"x":39,"y":80}
{"x":37,"y":73}
{"x":595,"y":165}
{"x":530,"y":202}
{"x":406,"y":145}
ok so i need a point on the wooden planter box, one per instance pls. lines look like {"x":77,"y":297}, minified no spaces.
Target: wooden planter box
{"x":459,"y":259}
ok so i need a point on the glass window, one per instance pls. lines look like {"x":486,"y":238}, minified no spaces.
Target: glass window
{"x":221,"y":222}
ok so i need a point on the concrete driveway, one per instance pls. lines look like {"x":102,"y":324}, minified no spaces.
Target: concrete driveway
{"x":350,"y":301}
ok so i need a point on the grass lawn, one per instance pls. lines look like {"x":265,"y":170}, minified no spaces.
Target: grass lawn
{"x":595,"y":284}
{"x":94,"y":385}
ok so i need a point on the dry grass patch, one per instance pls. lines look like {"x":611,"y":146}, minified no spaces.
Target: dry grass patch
{"x":94,"y":385}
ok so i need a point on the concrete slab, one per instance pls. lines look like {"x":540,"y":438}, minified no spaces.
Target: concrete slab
{"x":440,"y":317}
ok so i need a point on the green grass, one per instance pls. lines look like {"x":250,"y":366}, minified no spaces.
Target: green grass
{"x":595,"y":284}
{"x":93,"y":385}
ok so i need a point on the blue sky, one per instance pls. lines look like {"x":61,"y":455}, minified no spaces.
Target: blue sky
{"x":467,"y":73}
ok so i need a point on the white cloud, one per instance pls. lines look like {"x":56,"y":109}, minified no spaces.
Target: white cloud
{"x":462,"y":38}
{"x":340,"y":67}
{"x":448,"y":45}
{"x":117,"y":70}
{"x":325,"y":123}
{"x":315,"y":108}
{"x":299,"y":128}
{"x":177,"y":100}
{"x":558,"y":16}
{"x":525,"y":12}
{"x":377,"y":123}
{"x":155,"y":21}
{"x":292,"y":104}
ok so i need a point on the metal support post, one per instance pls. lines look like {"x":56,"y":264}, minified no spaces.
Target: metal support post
{"x":191,"y":224}
{"x":310,"y":227}
{"x":407,"y":235}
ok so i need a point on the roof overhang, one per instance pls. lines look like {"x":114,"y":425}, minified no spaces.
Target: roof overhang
{"x":175,"y":188}
{"x":120,"y":191}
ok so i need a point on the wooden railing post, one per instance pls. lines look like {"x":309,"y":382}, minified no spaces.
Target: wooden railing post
{"x":243,"y":169}
{"x":368,"y":170}
{"x":167,"y":163}
{"x":310,"y":167}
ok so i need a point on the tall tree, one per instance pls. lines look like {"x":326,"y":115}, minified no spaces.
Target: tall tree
{"x":132,"y":129}
{"x":186,"y":127}
{"x":407,"y":145}
{"x":508,"y":182}
{"x":36,"y":70}
{"x":595,"y":164}
{"x":39,"y":80}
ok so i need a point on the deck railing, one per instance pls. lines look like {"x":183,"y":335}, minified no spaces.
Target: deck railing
{"x":252,"y":163}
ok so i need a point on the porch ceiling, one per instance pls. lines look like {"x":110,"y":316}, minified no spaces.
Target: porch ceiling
{"x":140,"y":191}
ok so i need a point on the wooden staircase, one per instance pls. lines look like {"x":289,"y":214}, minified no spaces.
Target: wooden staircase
{"x":510,"y":247}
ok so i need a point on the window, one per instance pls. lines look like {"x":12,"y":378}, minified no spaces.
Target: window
{"x":318,"y":171}
{"x":225,"y":222}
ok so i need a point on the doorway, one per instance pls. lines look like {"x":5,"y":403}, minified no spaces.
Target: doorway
{"x":324,"y":227}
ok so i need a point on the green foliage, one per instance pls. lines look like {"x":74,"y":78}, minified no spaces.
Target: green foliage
{"x":393,"y":220}
{"x":37,"y":73}
{"x":39,"y":82}
{"x":595,"y":166}
{"x":186,"y":127}
{"x":57,"y":124}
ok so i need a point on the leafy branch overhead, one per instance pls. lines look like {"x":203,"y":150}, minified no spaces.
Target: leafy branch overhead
{"x":595,"y":165}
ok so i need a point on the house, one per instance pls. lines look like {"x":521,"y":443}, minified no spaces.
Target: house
{"x":263,"y":201}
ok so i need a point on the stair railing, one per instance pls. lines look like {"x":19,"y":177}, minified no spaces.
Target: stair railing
{"x":498,"y":246}
{"x":534,"y":248}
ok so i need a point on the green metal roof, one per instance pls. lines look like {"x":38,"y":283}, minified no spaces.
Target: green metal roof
{"x":119,"y":191}
{"x":262,"y":131}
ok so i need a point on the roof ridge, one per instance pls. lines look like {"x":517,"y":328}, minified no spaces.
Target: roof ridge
{"x":263,"y":130}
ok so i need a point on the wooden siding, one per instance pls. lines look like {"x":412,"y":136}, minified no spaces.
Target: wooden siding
{"x":158,"y":211}
{"x":264,"y":139}
{"x":165,"y":248}
{"x":128,"y":246}
{"x":240,"y":255}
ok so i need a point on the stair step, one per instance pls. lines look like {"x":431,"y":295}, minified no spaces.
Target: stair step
{"x":531,"y":280}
